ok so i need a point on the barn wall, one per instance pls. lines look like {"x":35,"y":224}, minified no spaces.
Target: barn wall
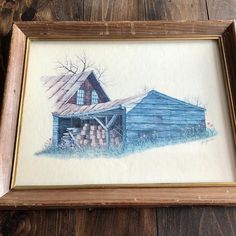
{"x":55,"y":131}
{"x":59,"y":127}
{"x":168,"y":118}
{"x":88,"y":88}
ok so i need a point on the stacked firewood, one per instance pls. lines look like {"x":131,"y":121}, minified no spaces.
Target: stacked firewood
{"x":90,"y":135}
{"x":67,"y":139}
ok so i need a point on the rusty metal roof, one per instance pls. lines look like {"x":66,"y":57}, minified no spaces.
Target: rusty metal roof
{"x":78,"y":110}
{"x":69,"y":110}
{"x":61,"y":88}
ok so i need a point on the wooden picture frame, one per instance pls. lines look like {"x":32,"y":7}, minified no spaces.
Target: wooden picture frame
{"x":180,"y":194}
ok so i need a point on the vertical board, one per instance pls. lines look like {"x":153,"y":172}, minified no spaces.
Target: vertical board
{"x":111,"y":10}
{"x":221,"y":9}
{"x":117,"y":222}
{"x":35,"y":223}
{"x":175,"y":10}
{"x":201,"y":221}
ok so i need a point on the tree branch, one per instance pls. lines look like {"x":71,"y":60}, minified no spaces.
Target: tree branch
{"x":80,"y":65}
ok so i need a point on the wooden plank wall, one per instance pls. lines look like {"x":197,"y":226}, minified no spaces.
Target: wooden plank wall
{"x":130,"y":221}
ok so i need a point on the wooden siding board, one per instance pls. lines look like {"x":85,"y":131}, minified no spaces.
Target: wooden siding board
{"x":132,"y":133}
{"x":133,"y":136}
{"x":55,"y":132}
{"x":164,"y":118}
{"x":164,"y":107}
{"x":149,"y":103}
{"x":152,"y":121}
{"x":124,"y":128}
{"x":161,"y":101}
{"x":181,"y":112}
{"x":154,"y":96}
{"x":159,"y":127}
{"x":173,"y":115}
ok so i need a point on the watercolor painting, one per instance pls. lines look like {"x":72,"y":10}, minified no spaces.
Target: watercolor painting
{"x":86,"y":120}
{"x":124,"y":112}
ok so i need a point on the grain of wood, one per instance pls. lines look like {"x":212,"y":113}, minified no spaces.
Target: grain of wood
{"x":229,"y":39}
{"x":175,"y":10}
{"x":122,"y":197}
{"x":219,"y":9}
{"x":34,"y":223}
{"x":10,"y":106}
{"x":59,"y":10}
{"x":40,"y":10}
{"x":107,"y":10}
{"x":201,"y":221}
{"x":122,"y":30}
{"x":118,"y":222}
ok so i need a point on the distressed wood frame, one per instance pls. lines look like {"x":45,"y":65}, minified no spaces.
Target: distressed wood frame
{"x":211,"y":194}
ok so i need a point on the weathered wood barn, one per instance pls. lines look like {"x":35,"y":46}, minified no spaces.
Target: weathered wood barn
{"x":85,"y":116}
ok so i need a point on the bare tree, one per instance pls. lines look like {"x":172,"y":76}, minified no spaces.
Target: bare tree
{"x":84,"y":62}
{"x":80,"y":64}
{"x":99,"y":72}
{"x":67,"y":66}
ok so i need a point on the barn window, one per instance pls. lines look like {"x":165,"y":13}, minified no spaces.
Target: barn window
{"x":94,"y":97}
{"x":80,"y":97}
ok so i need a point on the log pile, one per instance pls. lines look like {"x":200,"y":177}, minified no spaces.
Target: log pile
{"x":67,"y":140}
{"x":90,"y":135}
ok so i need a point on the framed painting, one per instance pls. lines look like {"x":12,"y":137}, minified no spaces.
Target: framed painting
{"x":119,"y":114}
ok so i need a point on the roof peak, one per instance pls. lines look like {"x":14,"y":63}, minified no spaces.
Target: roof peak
{"x":174,"y":99}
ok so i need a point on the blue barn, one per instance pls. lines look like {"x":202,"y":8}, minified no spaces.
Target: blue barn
{"x":91,"y":119}
{"x":158,"y":116}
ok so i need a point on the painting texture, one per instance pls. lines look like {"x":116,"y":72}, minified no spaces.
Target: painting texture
{"x":86,"y":120}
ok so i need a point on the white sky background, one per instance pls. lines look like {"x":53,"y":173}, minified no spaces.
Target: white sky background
{"x":132,"y":66}
{"x":182,"y":69}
